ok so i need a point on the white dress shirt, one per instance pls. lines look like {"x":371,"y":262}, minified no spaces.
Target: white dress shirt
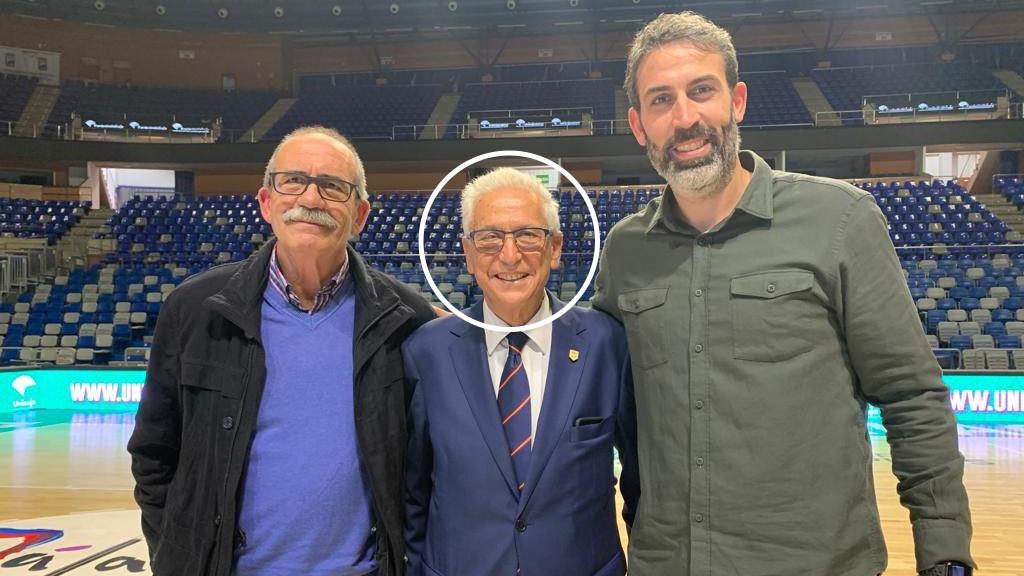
{"x":536,"y":354}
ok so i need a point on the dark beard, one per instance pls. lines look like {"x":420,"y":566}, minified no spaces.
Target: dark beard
{"x":724,"y":151}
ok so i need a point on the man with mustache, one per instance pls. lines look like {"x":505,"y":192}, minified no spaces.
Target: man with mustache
{"x":764,"y":312}
{"x":271,"y":432}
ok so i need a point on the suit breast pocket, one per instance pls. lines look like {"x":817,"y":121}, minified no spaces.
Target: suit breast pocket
{"x":589,"y":428}
{"x":771,"y":312}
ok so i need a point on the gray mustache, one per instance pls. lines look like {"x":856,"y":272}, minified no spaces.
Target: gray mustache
{"x":310,"y":215}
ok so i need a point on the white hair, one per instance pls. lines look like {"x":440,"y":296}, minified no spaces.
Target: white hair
{"x":330,"y":134}
{"x":503,"y":178}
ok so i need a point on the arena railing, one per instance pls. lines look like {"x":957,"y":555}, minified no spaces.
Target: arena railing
{"x":69,"y":131}
{"x":550,"y":112}
{"x":939,"y":250}
{"x":5,"y":278}
{"x":946,"y":97}
{"x":10,"y":128}
{"x":996,"y":177}
{"x":870,"y":115}
{"x":28,"y":266}
{"x":13,"y":273}
{"x":586,"y":128}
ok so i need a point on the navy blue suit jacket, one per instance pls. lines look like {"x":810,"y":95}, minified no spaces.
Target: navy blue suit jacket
{"x":464,"y":516}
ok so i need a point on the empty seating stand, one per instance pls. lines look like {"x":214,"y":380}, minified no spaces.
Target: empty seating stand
{"x":22,"y":218}
{"x":773,"y":101}
{"x":846,"y":88}
{"x":104,"y":103}
{"x":15,"y":92}
{"x":597,"y":96}
{"x":938,"y":212}
{"x":967,"y":283}
{"x":359,"y":112}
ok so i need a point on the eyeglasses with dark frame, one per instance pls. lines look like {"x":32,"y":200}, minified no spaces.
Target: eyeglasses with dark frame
{"x":490,"y":241}
{"x":330,"y":188}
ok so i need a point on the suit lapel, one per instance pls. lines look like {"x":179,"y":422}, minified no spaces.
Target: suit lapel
{"x":469,"y":357}
{"x":563,"y":380}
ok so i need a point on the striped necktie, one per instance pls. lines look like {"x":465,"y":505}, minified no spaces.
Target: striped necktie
{"x":514,"y":408}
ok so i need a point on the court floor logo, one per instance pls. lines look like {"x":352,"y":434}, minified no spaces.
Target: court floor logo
{"x":12,"y":558}
{"x":21,"y":384}
{"x":25,"y":539}
{"x":86,"y":543}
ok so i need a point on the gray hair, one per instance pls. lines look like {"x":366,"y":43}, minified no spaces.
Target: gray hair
{"x":330,"y":134}
{"x":688,"y":27}
{"x":507,"y":178}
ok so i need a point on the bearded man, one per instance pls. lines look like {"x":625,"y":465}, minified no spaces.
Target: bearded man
{"x":764,"y":312}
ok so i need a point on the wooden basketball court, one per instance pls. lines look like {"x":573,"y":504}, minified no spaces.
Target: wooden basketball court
{"x":56,"y":463}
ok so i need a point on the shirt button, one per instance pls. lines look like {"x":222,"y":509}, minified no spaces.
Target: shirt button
{"x":373,"y":530}
{"x":771,"y":288}
{"x":702,"y":241}
{"x":698,"y":348}
{"x":216,"y":520}
{"x":520,"y":525}
{"x":227,"y":423}
{"x":699,"y":517}
{"x":699,"y":404}
{"x":700,"y":461}
{"x":698,"y":292}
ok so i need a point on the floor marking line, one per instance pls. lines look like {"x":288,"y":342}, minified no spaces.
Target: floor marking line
{"x":90,"y":559}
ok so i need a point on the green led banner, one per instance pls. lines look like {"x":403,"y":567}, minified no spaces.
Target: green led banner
{"x":97,"y":390}
{"x":977,"y":398}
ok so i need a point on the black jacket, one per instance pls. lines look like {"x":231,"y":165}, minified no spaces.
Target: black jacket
{"x":198,"y":411}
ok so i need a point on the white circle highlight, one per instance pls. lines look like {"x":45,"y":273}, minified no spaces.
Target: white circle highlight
{"x":593,"y":218}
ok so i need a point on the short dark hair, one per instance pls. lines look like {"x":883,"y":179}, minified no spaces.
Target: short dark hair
{"x":688,"y":27}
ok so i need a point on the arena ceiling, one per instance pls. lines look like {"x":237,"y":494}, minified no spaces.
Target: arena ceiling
{"x":423,"y":19}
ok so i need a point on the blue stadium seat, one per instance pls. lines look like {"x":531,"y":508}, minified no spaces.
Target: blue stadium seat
{"x":961,"y":342}
{"x":1008,"y":341}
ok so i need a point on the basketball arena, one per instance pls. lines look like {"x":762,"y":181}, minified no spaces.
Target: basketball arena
{"x":134,"y":136}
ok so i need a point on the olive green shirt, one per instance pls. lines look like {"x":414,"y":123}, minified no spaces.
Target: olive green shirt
{"x":756,"y":349}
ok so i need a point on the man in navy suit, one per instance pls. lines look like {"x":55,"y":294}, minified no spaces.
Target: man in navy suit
{"x":510,"y":462}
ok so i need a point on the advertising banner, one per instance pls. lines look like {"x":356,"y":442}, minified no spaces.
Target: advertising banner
{"x":976,"y":398}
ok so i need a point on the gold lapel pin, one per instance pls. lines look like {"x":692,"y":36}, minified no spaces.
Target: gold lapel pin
{"x":574,"y":355}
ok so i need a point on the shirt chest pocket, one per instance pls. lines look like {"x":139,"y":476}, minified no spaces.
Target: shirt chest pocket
{"x":643,"y":313}
{"x":771,"y":315}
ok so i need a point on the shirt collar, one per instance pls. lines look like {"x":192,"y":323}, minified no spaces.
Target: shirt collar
{"x":323,"y":296}
{"x":539,"y":337}
{"x":757,"y":199}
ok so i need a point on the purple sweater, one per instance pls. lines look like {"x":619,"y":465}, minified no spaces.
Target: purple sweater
{"x":306,"y":505}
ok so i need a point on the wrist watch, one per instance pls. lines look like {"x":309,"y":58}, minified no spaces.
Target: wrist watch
{"x":948,"y":569}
